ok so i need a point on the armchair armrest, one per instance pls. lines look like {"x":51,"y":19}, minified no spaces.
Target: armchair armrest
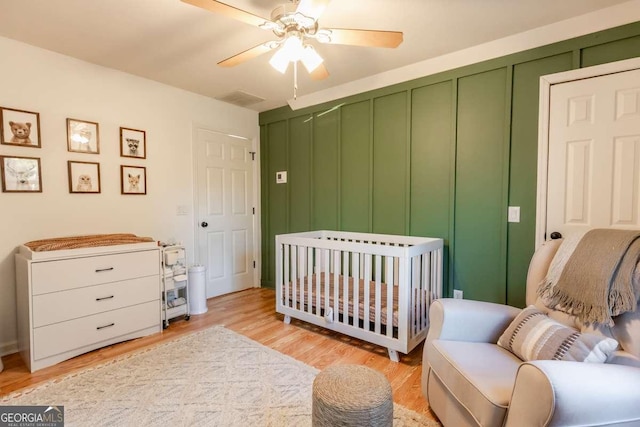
{"x":468,"y":320}
{"x":559,"y":393}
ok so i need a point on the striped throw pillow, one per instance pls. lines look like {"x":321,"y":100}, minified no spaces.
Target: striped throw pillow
{"x":534,"y":336}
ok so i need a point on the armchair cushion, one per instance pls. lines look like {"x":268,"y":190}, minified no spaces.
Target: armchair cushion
{"x":480,"y":375}
{"x":534,"y":336}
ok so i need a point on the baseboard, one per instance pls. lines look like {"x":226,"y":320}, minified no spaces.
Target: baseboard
{"x":8,"y":347}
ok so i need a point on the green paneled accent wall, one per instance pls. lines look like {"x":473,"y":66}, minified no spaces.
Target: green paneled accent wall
{"x":432,"y":156}
{"x":431,"y":159}
{"x":616,"y":50}
{"x":442,"y":156}
{"x":278,"y":201}
{"x":326,"y":177}
{"x":479,"y":223}
{"x":523,"y":173}
{"x":390,"y":166}
{"x":355,"y":167}
{"x":298,"y":174}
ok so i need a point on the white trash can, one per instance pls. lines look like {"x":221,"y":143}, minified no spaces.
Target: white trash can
{"x":197,"y":290}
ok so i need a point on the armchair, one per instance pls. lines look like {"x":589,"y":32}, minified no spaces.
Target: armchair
{"x":469,"y":380}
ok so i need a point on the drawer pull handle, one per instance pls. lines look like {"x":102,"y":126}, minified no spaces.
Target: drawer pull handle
{"x":104,"y":298}
{"x":105,"y":326}
{"x":100,"y":270}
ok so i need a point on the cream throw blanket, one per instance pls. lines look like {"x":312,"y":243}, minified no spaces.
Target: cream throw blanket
{"x":597,"y":281}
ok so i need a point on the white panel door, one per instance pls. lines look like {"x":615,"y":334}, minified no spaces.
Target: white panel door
{"x":594,"y":154}
{"x":225,"y":211}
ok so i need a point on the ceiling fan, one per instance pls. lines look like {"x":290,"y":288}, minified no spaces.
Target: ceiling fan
{"x":295,"y":24}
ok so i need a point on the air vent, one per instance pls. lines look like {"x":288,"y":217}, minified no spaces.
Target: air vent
{"x":240,"y":98}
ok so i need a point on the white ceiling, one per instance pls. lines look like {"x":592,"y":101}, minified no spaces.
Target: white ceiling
{"x":178,"y":44}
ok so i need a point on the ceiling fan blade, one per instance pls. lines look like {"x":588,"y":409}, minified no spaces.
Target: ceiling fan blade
{"x":312,"y":8}
{"x":372,"y":38}
{"x":245,"y":56}
{"x":320,"y":73}
{"x":230,"y":11}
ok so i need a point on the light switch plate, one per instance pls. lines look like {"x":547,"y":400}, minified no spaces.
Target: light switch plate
{"x":281,"y":177}
{"x":514,"y":214}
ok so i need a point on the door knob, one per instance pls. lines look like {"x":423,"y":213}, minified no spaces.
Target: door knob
{"x":555,"y":235}
{"x":204,"y":224}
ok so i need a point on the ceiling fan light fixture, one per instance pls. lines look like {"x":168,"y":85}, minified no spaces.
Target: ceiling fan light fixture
{"x":311,"y":58}
{"x":293,"y":47}
{"x":280,"y":60}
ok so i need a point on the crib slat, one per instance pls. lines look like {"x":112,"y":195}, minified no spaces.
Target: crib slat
{"x":390,"y":285}
{"x":301,"y":274}
{"x":404,"y":299}
{"x":287,"y":300}
{"x":356,"y":288}
{"x":309,"y":280}
{"x":430,"y":285}
{"x":326,"y":256}
{"x":345,"y":287}
{"x":367,"y":290}
{"x":378,"y":297}
{"x":426,"y":285}
{"x":336,"y":284}
{"x":416,"y":295}
{"x":294,"y":275}
{"x":316,"y":275}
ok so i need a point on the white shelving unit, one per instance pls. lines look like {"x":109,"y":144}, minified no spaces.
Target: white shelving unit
{"x":175,"y":283}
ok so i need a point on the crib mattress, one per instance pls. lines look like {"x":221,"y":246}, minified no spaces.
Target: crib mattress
{"x":384,"y":307}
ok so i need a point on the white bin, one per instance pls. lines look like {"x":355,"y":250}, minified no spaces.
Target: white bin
{"x":197,"y":290}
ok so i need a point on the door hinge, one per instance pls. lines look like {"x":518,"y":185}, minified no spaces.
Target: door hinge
{"x":254,"y":264}
{"x":254,"y":211}
{"x":253,"y":155}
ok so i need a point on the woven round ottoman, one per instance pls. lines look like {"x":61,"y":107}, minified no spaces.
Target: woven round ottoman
{"x":351,"y":395}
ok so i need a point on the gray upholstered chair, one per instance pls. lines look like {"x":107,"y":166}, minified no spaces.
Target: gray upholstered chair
{"x":471,"y":381}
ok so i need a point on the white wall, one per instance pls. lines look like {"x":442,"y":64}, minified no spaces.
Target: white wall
{"x":59,"y":87}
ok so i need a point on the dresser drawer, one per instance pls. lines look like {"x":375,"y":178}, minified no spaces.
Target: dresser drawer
{"x":61,"y":337}
{"x":66,"y":305}
{"x":53,"y":276}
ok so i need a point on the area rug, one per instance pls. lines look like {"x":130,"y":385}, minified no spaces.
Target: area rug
{"x":210,"y":378}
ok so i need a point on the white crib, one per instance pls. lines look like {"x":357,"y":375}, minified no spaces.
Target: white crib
{"x":374,"y":287}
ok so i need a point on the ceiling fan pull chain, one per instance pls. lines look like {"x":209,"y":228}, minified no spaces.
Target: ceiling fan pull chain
{"x":295,"y":79}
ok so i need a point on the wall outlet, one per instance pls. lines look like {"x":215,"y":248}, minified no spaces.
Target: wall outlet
{"x":457,"y":294}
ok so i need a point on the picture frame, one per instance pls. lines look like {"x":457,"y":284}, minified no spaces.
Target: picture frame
{"x":21,"y":174}
{"x":84,"y":177}
{"x":133,"y":143}
{"x":19,"y":127}
{"x":133,"y":180}
{"x":83,"y":136}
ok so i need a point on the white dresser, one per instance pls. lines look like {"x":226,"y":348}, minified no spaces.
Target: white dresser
{"x":77,"y":300}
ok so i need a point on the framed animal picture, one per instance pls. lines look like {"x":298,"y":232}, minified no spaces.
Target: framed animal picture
{"x":133,"y":143}
{"x":18,"y":127}
{"x":83,"y":136}
{"x":84,"y":177}
{"x":133,"y":179}
{"x":20,"y":174}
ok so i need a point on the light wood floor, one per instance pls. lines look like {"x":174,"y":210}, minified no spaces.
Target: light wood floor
{"x":251,"y":313}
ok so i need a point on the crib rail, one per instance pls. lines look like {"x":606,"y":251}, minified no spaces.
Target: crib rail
{"x":374,"y":287}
